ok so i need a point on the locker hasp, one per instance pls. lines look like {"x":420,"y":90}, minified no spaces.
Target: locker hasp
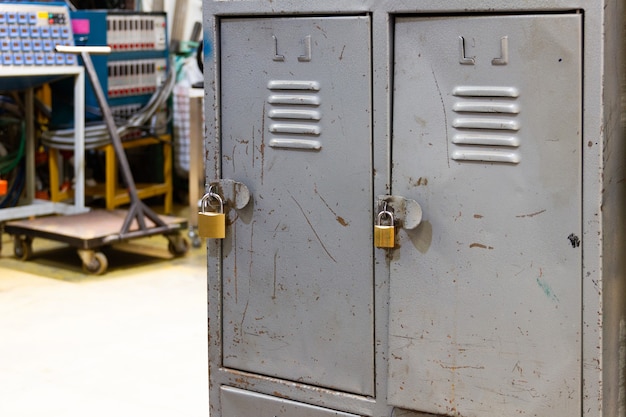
{"x":211,"y":225}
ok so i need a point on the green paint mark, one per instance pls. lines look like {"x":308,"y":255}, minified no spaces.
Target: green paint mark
{"x":547,"y":290}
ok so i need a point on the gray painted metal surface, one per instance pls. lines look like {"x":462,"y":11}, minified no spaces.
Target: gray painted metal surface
{"x":503,"y":122}
{"x":238,"y":402}
{"x":298,"y":264}
{"x":494,"y":243}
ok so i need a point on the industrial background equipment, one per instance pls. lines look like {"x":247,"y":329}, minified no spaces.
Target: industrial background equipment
{"x":492,"y":135}
{"x":30,"y":32}
{"x":137,"y":79}
{"x":135,"y":69}
{"x":138,"y":63}
{"x":41,"y":49}
{"x":91,"y":231}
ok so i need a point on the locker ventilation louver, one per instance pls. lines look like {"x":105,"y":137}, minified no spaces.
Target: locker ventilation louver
{"x":486,"y":124}
{"x":295,"y":115}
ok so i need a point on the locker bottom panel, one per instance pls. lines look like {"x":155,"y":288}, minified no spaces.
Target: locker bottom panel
{"x":241,"y":403}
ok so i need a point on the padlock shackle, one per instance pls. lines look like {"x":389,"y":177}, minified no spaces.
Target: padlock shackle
{"x":208,"y":196}
{"x":380,"y":216}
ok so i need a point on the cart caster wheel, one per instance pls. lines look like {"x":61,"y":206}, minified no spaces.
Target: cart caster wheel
{"x":97,"y":265}
{"x":23,"y":248}
{"x":177,"y":245}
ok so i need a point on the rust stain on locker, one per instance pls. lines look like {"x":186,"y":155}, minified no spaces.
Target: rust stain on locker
{"x":480,"y":245}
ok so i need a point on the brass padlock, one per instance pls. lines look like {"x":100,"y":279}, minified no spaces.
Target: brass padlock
{"x":211,"y":225}
{"x":384,"y":236}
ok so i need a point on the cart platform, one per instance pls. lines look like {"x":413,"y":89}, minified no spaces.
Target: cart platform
{"x":90,"y":231}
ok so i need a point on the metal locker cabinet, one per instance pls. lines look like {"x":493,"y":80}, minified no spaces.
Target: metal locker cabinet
{"x":504,"y":121}
{"x":297,"y":277}
{"x":485,"y":295}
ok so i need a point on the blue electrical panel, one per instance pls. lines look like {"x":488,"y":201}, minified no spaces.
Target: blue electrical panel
{"x":135,"y":68}
{"x":137,"y":64}
{"x":29,"y":33}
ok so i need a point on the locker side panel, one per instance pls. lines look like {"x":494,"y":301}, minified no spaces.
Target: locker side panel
{"x":298,"y":261}
{"x":486,"y":293}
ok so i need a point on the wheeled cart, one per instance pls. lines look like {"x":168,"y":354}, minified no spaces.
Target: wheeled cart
{"x":96,"y":229}
{"x":90,"y":232}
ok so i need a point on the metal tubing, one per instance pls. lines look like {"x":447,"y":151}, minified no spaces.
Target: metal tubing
{"x":137,"y":208}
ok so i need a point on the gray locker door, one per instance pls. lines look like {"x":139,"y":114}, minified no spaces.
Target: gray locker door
{"x":485,"y":309}
{"x":298,"y":262}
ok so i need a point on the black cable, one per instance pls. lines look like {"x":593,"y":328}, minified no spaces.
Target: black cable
{"x":200,"y":56}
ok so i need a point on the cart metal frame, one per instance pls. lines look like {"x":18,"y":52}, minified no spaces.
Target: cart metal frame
{"x":97,"y":228}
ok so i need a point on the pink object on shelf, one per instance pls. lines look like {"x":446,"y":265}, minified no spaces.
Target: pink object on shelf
{"x":81,"y":26}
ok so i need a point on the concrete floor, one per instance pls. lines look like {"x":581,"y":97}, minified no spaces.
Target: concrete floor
{"x":132,"y":342}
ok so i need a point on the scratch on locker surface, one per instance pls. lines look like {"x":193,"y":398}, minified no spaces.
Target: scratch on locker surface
{"x":311,"y":226}
{"x":253,"y":147}
{"x":243,"y":318}
{"x":339,"y":219}
{"x":235,"y":259}
{"x":262,"y":150}
{"x":521,"y":216}
{"x":342,"y":50}
{"x":232,"y":158}
{"x":455,"y":367}
{"x":322,"y":30}
{"x":445,"y":116}
{"x":251,"y":248}
{"x":274,"y":291}
{"x":244,"y":142}
{"x":410,"y":341}
{"x":514,"y":394}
